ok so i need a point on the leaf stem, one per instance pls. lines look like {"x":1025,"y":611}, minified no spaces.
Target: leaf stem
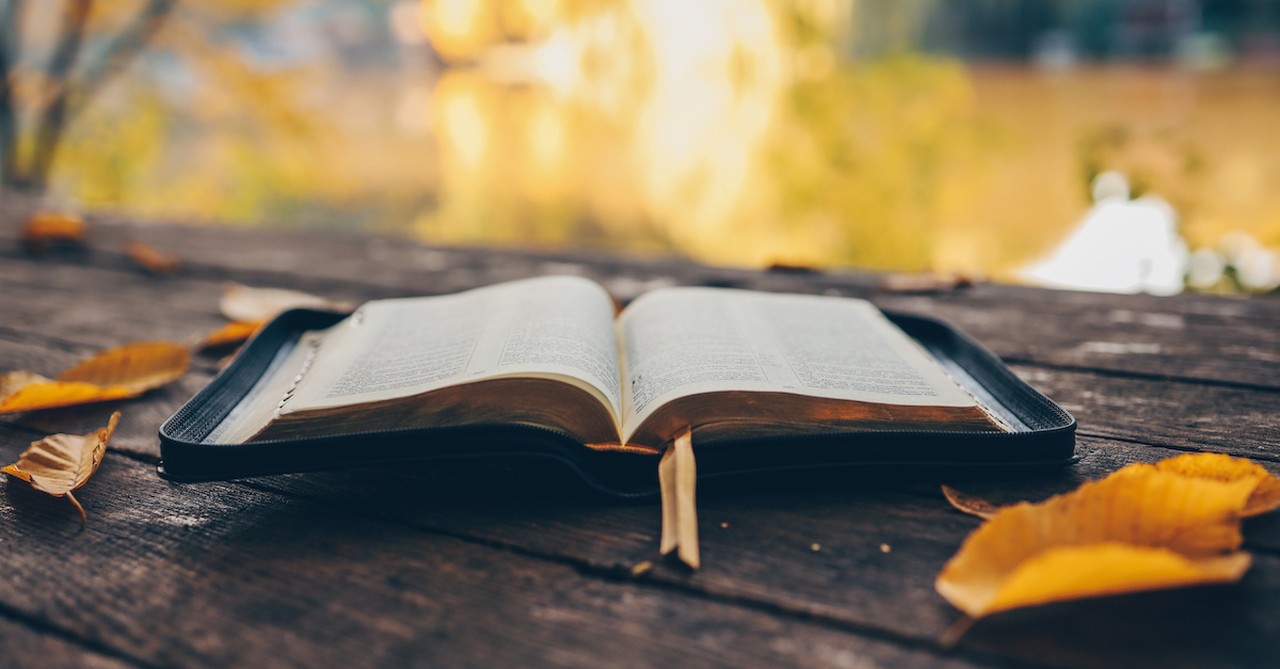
{"x":76,"y":503}
{"x":953,"y":634}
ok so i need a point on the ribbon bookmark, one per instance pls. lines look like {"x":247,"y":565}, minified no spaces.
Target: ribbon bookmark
{"x":677,"y":478}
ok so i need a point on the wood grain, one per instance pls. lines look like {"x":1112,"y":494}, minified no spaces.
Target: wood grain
{"x":31,"y":646}
{"x":226,"y":575}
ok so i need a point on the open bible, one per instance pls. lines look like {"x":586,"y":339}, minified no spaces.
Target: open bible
{"x":550,"y":352}
{"x":546,"y":368}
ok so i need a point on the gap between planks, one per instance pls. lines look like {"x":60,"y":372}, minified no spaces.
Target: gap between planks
{"x":41,"y":626}
{"x":1144,"y":376}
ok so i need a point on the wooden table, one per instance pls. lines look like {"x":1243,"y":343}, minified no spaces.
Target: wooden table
{"x":405,"y":567}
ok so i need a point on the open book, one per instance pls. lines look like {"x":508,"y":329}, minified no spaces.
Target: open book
{"x":551,"y":352}
{"x":546,"y":368}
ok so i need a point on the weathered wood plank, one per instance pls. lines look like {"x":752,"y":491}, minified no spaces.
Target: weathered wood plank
{"x":773,"y":556}
{"x":1173,"y":414}
{"x":364,"y":260}
{"x":224,"y":575}
{"x":763,"y":559}
{"x":590,"y":530}
{"x":27,"y":647}
{"x":1163,"y":344}
{"x":758,"y":546}
{"x":90,"y":304}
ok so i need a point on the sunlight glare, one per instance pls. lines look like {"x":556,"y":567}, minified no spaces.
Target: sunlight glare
{"x":461,"y":127}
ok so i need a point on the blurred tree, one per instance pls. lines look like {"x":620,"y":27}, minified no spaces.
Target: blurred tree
{"x":51,"y":99}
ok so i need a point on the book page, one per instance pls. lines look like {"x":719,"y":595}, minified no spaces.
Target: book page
{"x":686,"y":341}
{"x":550,"y":327}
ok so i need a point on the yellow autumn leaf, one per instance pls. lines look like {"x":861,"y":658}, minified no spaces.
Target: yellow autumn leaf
{"x":139,"y":366}
{"x":1212,"y":466}
{"x":116,"y":373}
{"x":44,"y":230}
{"x":26,"y":391}
{"x":1145,"y":518}
{"x":1219,"y":467}
{"x":150,"y":259}
{"x":259,"y":305}
{"x":231,"y":333}
{"x":60,"y":463}
{"x":1112,"y":568}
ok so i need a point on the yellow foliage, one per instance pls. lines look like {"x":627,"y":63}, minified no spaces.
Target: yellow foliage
{"x":1111,"y":568}
{"x":1170,"y":524}
{"x":231,"y":333}
{"x":1218,"y":467}
{"x":27,"y":391}
{"x":115,"y":373}
{"x":564,"y":123}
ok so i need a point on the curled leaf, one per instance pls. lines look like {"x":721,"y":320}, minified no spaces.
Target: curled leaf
{"x":116,"y":373}
{"x":1212,"y":466}
{"x":60,"y":463}
{"x":1218,"y":467}
{"x":1135,"y":530}
{"x":969,"y":504}
{"x":152,"y":260}
{"x":45,"y":230}
{"x":259,"y":305}
{"x":229,"y":334}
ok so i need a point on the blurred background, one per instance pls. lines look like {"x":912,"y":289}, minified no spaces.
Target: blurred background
{"x":1119,"y":145}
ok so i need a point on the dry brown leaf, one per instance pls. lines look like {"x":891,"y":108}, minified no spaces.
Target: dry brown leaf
{"x":1137,"y":529}
{"x":259,"y":305}
{"x":969,"y":504}
{"x":60,"y":463}
{"x":45,"y":230}
{"x":152,"y":260}
{"x":231,"y":333}
{"x":116,"y":373}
